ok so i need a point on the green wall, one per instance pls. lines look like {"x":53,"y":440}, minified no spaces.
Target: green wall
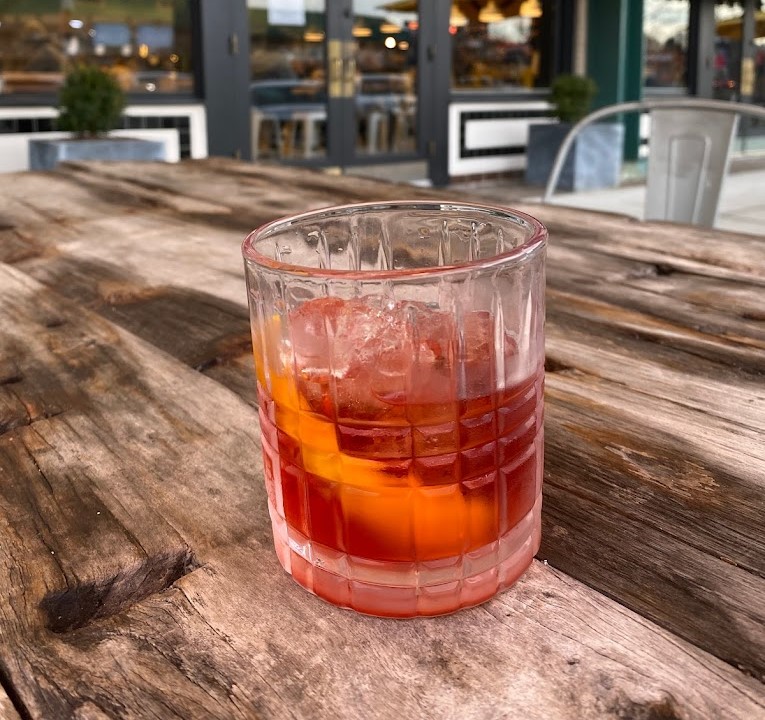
{"x":615,"y":57}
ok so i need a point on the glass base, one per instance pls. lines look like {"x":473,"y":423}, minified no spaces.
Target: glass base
{"x":403,"y":589}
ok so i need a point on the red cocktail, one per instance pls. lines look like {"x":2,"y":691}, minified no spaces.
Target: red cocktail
{"x":402,"y":437}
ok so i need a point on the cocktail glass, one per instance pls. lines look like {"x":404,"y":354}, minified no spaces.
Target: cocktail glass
{"x":399,"y":352}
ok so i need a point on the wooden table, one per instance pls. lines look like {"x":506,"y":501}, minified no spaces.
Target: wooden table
{"x":135,"y":547}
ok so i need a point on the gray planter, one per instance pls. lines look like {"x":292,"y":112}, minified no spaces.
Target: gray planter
{"x":594,"y":160}
{"x":46,"y":154}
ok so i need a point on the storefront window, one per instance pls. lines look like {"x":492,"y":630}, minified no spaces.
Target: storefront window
{"x":665,"y":34}
{"x":145,"y":43}
{"x":499,"y":44}
{"x":375,"y":64}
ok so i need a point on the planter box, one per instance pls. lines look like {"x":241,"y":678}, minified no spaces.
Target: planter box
{"x":594,"y":160}
{"x":46,"y":154}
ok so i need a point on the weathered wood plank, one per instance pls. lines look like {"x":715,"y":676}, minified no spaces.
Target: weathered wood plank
{"x":625,"y":322}
{"x":722,"y":308}
{"x":676,"y":499}
{"x":7,"y":710}
{"x":181,"y":287}
{"x":241,"y":197}
{"x":141,"y":581}
{"x":659,"y":359}
{"x":57,"y":199}
{"x":245,"y":188}
{"x":178,"y":254}
{"x":671,"y":247}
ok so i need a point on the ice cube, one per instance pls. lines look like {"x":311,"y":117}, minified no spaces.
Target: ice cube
{"x":382,"y":356}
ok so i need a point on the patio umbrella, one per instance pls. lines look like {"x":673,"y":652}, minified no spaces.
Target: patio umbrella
{"x":731,"y":29}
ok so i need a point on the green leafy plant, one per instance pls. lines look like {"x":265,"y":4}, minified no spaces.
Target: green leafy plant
{"x":572,"y":96}
{"x":91,"y":102}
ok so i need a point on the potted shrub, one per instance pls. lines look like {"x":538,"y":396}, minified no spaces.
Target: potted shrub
{"x":595,"y":158}
{"x":91,"y":103}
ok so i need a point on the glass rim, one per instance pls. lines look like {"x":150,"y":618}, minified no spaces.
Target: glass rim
{"x":537,"y":238}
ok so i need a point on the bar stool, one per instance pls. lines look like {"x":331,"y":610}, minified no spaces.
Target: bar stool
{"x":303,"y":131}
{"x":259,"y":122}
{"x":404,"y":127}
{"x":310,"y":123}
{"x":378,"y":125}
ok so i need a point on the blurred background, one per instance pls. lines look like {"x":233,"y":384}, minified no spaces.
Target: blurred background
{"x":452,"y":86}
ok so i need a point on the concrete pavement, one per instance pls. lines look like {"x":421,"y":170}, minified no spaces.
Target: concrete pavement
{"x":742,"y":205}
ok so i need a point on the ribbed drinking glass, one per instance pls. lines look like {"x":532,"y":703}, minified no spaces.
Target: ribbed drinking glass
{"x":399,"y":352}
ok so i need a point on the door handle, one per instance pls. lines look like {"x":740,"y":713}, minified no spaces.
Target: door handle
{"x":335,"y":68}
{"x":341,"y":61}
{"x":349,"y":69}
{"x":233,"y":44}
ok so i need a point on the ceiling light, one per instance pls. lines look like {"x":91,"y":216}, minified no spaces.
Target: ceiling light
{"x":362,"y":32}
{"x":313,"y":36}
{"x":490,"y":13}
{"x":390,"y":28}
{"x":530,"y":9}
{"x":76,"y":24}
{"x":457,"y":18}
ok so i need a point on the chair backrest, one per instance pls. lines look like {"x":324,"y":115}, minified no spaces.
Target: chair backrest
{"x":688,"y":154}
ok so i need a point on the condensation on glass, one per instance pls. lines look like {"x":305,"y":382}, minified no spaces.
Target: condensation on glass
{"x":146,"y":45}
{"x":500,"y":45}
{"x":399,"y":353}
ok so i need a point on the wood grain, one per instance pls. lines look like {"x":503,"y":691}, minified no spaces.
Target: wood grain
{"x":141,"y":581}
{"x":655,"y":417}
{"x":7,"y":710}
{"x":160,"y":257}
{"x":678,"y":327}
{"x":656,"y":361}
{"x":614,"y":482}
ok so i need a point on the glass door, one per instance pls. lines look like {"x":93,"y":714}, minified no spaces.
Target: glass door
{"x":333,"y":82}
{"x":288,"y":87}
{"x":384,"y":42}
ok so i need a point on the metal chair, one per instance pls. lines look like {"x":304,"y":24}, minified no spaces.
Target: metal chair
{"x":688,"y":153}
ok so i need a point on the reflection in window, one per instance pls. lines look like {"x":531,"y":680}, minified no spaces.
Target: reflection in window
{"x":386,"y":79}
{"x":665,"y":36}
{"x":288,"y":89}
{"x":376,"y":65}
{"x":727,"y":59}
{"x":145,"y":43}
{"x":287,"y":47}
{"x":499,"y":44}
{"x":759,"y":58}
